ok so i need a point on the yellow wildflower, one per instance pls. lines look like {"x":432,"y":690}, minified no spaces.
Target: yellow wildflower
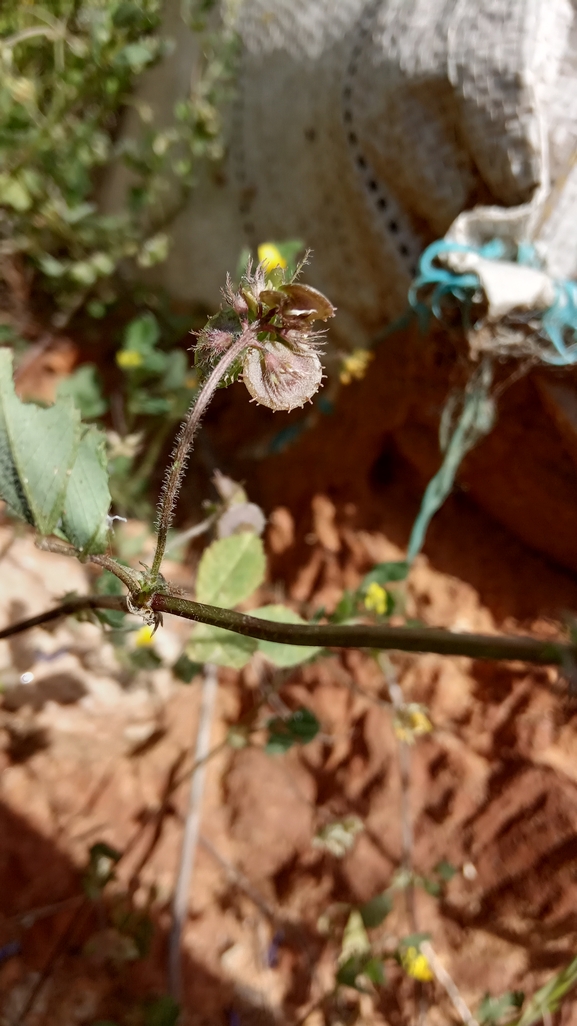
{"x":128,"y":359}
{"x":354,"y":366}
{"x":411,"y":721}
{"x":376,"y":599}
{"x":144,"y":637}
{"x":271,"y":256}
{"x":415,"y":964}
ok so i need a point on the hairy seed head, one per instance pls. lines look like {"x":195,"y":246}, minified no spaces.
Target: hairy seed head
{"x":281,"y":377}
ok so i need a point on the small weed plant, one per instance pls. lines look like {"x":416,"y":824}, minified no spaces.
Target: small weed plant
{"x":55,"y":477}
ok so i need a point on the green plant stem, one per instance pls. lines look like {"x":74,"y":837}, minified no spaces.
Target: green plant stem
{"x":402,"y":639}
{"x":124,"y":573}
{"x":173,"y":479}
{"x":399,"y":639}
{"x":69,"y":608}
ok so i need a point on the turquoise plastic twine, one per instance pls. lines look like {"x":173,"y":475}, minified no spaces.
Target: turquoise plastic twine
{"x":558,"y":321}
{"x":478,"y":409}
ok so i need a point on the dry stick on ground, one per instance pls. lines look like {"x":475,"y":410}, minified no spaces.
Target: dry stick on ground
{"x":70,"y":932}
{"x":397,"y":700}
{"x":382,"y":636}
{"x":450,"y":986}
{"x":239,"y":880}
{"x":440,"y":973}
{"x":192,"y":827}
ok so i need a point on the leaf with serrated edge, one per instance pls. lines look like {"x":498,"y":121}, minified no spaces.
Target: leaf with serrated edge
{"x":230,"y":570}
{"x":43,"y":444}
{"x":10,"y":487}
{"x":279,"y":654}
{"x":88,"y":496}
{"x":215,"y":645}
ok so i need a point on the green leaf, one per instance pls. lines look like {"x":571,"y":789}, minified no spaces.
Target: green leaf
{"x":432,"y":887}
{"x":355,"y":941}
{"x":51,"y":266}
{"x":88,"y":496}
{"x":230,"y":570}
{"x":290,"y":250}
{"x":38,"y":449}
{"x":493,"y":1009}
{"x":357,"y":967}
{"x":10,"y":487}
{"x":549,"y":997}
{"x":346,"y":608}
{"x":385,"y":573}
{"x":163,"y":1011}
{"x":445,"y":870}
{"x":151,"y":405}
{"x":137,"y":55}
{"x":414,"y":940}
{"x":300,"y":728}
{"x":83,"y":387}
{"x":109,"y":584}
{"x":83,"y":272}
{"x":374,"y":911}
{"x":100,"y":869}
{"x":141,"y":337}
{"x":280,"y":654}
{"x":215,"y":645}
{"x":113,"y":618}
{"x":142,"y":333}
{"x":13,"y":193}
{"x":144,"y":659}
{"x":177,"y":368}
{"x":184,"y":669}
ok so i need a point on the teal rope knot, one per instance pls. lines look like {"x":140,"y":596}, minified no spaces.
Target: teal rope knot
{"x":556,"y":323}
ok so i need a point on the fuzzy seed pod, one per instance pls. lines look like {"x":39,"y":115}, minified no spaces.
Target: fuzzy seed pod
{"x":281,"y":377}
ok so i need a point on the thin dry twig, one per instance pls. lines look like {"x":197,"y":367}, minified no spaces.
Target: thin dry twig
{"x":448,"y":983}
{"x":239,"y":880}
{"x":192,"y":828}
{"x":69,"y":933}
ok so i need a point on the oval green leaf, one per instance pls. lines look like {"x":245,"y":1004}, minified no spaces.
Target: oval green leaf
{"x":215,"y":645}
{"x":230,"y":570}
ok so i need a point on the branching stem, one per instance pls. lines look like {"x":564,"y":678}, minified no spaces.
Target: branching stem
{"x":173,"y":479}
{"x":124,"y":573}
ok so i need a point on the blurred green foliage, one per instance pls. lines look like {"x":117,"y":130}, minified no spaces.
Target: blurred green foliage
{"x":67,"y":71}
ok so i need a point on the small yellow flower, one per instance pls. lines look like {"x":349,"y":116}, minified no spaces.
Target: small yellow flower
{"x":191,"y":380}
{"x":376,"y":599}
{"x":271,"y":256}
{"x":411,"y":721}
{"x":128,"y":359}
{"x":354,"y":366}
{"x":144,"y":637}
{"x":415,"y":964}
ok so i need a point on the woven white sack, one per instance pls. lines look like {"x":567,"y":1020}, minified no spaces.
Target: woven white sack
{"x":369,"y":128}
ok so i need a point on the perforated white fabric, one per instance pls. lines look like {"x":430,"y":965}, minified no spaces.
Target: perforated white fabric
{"x":366,"y":127}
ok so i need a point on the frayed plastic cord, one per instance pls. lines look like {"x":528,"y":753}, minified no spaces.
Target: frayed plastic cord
{"x":556,"y":322}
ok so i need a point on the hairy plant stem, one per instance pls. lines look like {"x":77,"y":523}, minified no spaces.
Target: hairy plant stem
{"x":173,"y":479}
{"x":124,"y":573}
{"x":382,"y":637}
